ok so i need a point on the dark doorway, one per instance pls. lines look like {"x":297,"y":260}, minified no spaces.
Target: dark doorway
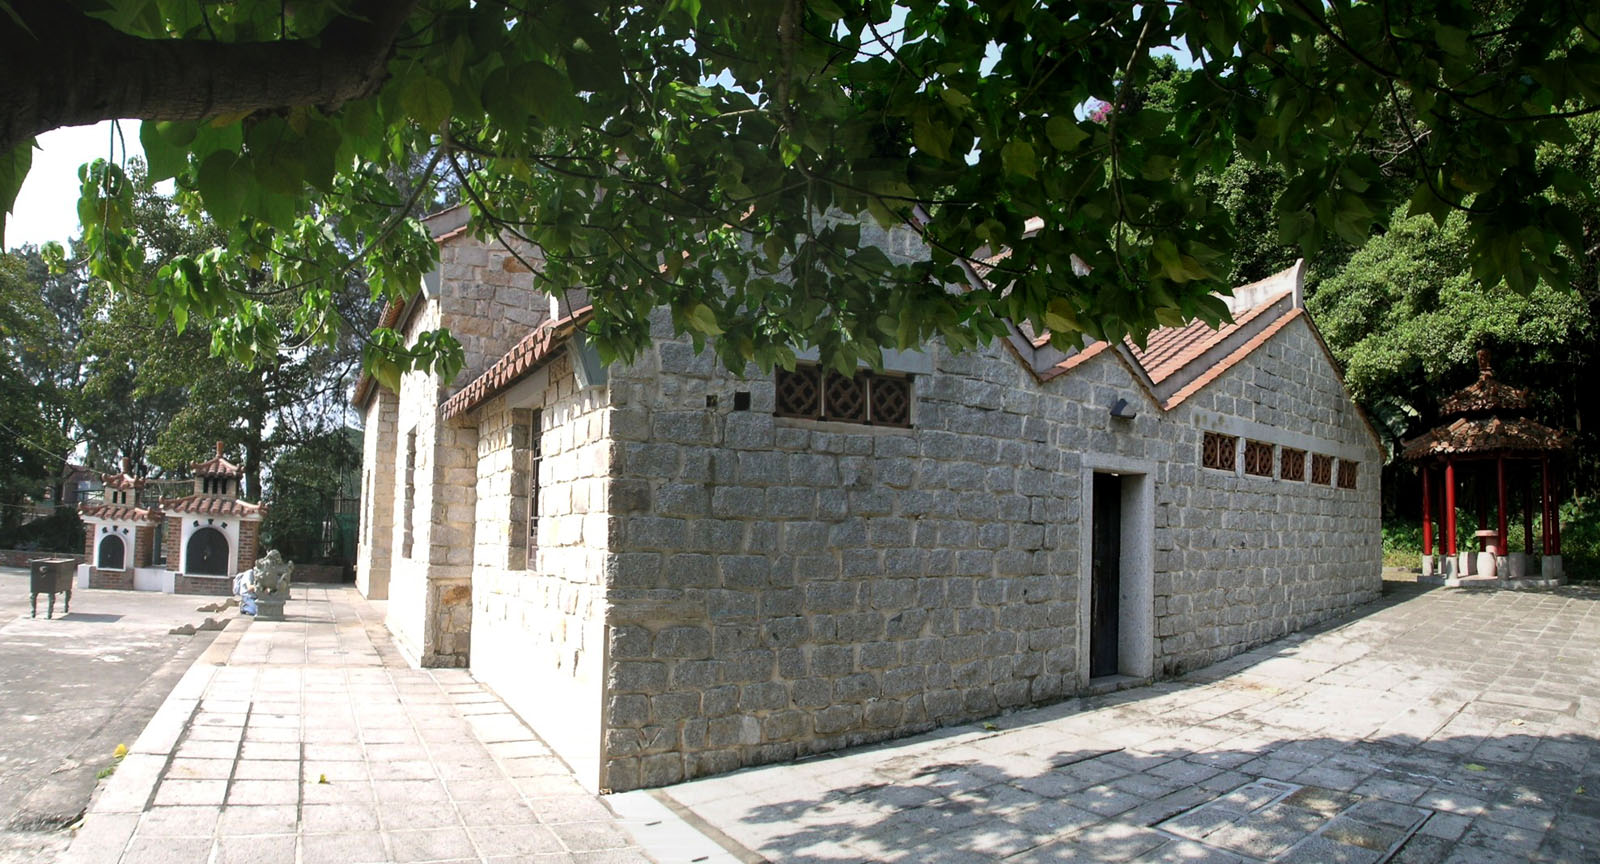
{"x":1105,"y":576}
{"x":111,"y":553}
{"x":207,"y":553}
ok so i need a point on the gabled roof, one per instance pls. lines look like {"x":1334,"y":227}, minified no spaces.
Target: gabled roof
{"x":210,"y":505}
{"x":1168,"y":350}
{"x":119,"y":512}
{"x":531,"y":352}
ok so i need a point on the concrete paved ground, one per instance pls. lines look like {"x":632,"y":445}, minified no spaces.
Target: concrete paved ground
{"x":310,"y":741}
{"x":1432,"y":726}
{"x":71,"y":690}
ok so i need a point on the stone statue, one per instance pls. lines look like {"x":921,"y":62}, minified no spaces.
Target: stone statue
{"x":263,"y":588}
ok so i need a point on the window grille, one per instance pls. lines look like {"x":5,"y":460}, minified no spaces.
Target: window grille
{"x":1219,"y":451}
{"x":1347,"y":474}
{"x":799,"y":392}
{"x":1321,"y":469}
{"x":810,"y":393}
{"x":1292,"y":464}
{"x":1258,"y":458}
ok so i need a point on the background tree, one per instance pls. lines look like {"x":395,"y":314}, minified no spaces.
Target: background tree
{"x":32,"y":446}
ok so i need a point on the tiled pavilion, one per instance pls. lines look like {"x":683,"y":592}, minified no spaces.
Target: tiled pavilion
{"x":1488,"y":435}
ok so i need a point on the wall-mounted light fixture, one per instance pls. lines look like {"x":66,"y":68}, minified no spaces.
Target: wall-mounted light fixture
{"x":1123,"y":411}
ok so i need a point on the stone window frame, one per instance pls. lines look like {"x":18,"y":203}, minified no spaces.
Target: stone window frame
{"x":811,"y":392}
{"x":526,"y":434}
{"x":1348,"y":473}
{"x":1321,"y":469}
{"x":1258,"y":458}
{"x":1292,"y":464}
{"x":409,"y":505}
{"x":1219,"y":451}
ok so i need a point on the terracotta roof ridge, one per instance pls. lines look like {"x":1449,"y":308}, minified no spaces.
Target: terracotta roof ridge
{"x":525,"y":356}
{"x":1232,"y":359}
{"x":1172,"y":349}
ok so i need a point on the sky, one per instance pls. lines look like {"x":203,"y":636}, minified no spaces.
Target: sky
{"x":47,"y":206}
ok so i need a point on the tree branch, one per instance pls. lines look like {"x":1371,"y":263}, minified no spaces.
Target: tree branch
{"x":68,"y":69}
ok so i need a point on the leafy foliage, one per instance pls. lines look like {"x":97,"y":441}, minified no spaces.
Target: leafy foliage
{"x":308,"y":480}
{"x":1405,"y":316}
{"x":719,"y":156}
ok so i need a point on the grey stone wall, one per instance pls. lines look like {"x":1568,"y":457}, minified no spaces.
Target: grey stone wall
{"x":786,"y":587}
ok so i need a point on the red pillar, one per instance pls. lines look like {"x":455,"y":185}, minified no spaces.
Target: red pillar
{"x":1544,"y":503}
{"x":1527,"y":514}
{"x":1450,"y":507}
{"x":1500,"y":484}
{"x":1427,"y":511}
{"x":1555,"y":519}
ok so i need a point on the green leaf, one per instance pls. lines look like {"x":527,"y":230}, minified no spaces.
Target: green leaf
{"x":1061,"y":317}
{"x":931,"y":137}
{"x":1452,"y":39}
{"x":223,"y":185}
{"x":1018,"y":159}
{"x":427,"y":100}
{"x":702,"y":319}
{"x":1064,"y":134}
{"x":166,"y":151}
{"x":13,"y":170}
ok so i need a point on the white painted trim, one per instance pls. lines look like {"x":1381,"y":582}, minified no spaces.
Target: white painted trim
{"x":228,"y":525}
{"x":127,"y":550}
{"x":1136,"y":602}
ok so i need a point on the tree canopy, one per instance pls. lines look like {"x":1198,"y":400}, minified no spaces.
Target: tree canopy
{"x":719,"y":156}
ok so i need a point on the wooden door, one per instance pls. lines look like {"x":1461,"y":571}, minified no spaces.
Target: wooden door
{"x":1105,"y":575}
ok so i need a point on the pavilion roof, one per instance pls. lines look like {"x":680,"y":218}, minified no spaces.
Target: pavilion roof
{"x":216,"y":466}
{"x":1484,"y":435}
{"x":1487,"y":395}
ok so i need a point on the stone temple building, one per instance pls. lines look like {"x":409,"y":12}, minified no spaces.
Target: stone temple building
{"x":672,"y":571}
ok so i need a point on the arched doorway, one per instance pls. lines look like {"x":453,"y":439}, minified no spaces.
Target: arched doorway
{"x":207,"y":553}
{"x":112,"y":553}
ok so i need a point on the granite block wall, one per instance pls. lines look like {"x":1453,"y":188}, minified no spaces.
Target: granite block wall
{"x":783,"y":587}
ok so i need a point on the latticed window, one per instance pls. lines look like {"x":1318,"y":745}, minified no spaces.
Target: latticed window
{"x":1219,"y":451}
{"x":1321,"y":469}
{"x":1347,"y":474}
{"x":811,"y":393}
{"x":1292,"y":464}
{"x":1258,"y":458}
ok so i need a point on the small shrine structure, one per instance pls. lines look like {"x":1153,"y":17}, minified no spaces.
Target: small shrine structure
{"x":208,"y":536}
{"x":1489,"y":442}
{"x":119,"y":535}
{"x":211,"y":534}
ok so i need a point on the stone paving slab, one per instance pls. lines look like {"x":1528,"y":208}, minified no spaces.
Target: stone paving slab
{"x":310,"y":741}
{"x":1431,"y":727}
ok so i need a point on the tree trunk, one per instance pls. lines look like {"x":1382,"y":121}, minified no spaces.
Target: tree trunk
{"x":68,"y":69}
